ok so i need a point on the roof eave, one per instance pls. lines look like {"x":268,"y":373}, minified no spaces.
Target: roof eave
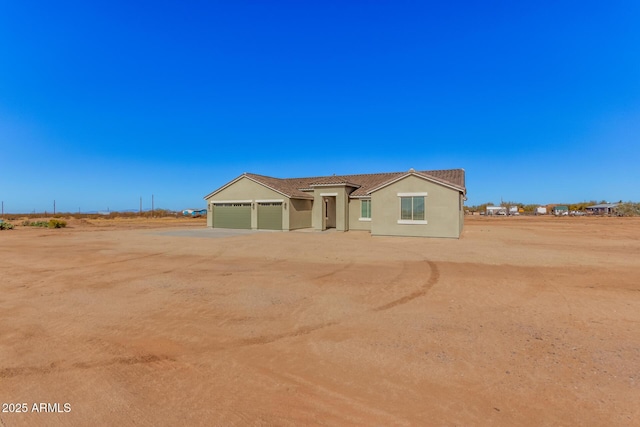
{"x":245,"y":175}
{"x":462,"y":190}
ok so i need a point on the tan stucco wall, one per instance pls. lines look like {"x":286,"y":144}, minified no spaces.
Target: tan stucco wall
{"x":340,"y":198}
{"x":300,"y":213}
{"x":441,"y":210}
{"x":209,"y":215}
{"x":246,"y":189}
{"x":461,"y":221}
{"x":354,"y":216}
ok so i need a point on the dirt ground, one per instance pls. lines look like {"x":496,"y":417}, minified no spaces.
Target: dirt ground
{"x":523,"y":321}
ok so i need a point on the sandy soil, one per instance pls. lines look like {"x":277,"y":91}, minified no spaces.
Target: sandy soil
{"x":523,"y":321}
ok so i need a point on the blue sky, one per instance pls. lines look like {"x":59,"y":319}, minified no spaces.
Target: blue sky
{"x":102,"y":103}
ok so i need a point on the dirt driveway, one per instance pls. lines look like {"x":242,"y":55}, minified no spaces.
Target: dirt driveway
{"x":523,"y":321}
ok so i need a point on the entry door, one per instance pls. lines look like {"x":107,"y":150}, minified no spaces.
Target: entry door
{"x":329,"y":217}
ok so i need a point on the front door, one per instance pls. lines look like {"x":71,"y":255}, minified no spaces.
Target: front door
{"x":329,"y":212}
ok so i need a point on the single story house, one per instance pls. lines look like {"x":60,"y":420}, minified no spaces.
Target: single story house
{"x":603,"y":208}
{"x":561,"y":210}
{"x":413,"y":203}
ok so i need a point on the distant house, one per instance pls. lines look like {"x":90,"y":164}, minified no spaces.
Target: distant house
{"x":603,"y":208}
{"x":412,"y":203}
{"x":561,"y":210}
{"x":194,"y":212}
{"x":496,"y":210}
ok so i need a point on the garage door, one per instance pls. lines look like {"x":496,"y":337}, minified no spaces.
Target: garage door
{"x":270,"y":216}
{"x":232,"y":215}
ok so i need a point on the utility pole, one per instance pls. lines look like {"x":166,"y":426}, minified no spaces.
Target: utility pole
{"x":2,"y":210}
{"x":54,"y":207}
{"x":152,"y":206}
{"x":140,"y":205}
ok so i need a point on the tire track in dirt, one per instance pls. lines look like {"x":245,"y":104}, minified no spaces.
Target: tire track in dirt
{"x":153,"y":274}
{"x":433,"y":279}
{"x":98,"y":264}
{"x":144,"y":359}
{"x":334,"y":272}
{"x":357,"y":407}
{"x":304,"y":330}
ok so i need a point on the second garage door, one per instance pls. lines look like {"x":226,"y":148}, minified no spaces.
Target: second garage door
{"x":232,"y":215}
{"x":270,"y":216}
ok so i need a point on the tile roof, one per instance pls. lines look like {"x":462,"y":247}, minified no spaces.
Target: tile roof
{"x":292,"y":187}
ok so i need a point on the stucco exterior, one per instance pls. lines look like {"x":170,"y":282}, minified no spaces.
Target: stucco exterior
{"x":355,"y":209}
{"x":441,"y":209}
{"x":435,"y":198}
{"x":300,"y":213}
{"x":247,"y":190}
{"x":331,"y":207}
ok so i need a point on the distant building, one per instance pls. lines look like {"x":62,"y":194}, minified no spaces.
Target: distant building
{"x":194,"y":212}
{"x":561,"y":210}
{"x":496,"y":210}
{"x":541,"y":210}
{"x":603,"y":208}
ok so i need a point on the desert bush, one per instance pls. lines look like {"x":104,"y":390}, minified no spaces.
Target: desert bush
{"x":628,"y":209}
{"x":57,"y":223}
{"x":6,"y":226}
{"x":36,"y":223}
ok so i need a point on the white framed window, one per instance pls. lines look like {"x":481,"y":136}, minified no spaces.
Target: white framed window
{"x":412,"y":208}
{"x":365,"y":210}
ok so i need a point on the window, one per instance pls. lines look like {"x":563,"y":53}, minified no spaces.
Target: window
{"x":412,"y":210}
{"x":365,"y":209}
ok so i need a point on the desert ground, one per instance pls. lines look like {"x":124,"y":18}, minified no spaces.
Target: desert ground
{"x":525,"y":321}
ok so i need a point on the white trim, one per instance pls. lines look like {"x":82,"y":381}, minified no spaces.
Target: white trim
{"x":328,"y":194}
{"x":410,"y":221}
{"x":215,"y":202}
{"x":364,"y":219}
{"x":270,"y":201}
{"x":424,"y":194}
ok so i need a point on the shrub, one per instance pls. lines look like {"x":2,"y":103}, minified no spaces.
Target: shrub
{"x":628,"y":209}
{"x":52,"y":223}
{"x":6,"y":226}
{"x":57,"y":223}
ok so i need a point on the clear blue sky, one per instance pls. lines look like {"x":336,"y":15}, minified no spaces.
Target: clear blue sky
{"x":102,"y":102}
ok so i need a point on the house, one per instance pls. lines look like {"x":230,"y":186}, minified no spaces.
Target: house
{"x":603,"y":208}
{"x":413,"y":203}
{"x":496,"y":210}
{"x":561,"y":210}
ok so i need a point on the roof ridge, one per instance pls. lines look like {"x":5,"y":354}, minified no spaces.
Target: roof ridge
{"x":355,"y":174}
